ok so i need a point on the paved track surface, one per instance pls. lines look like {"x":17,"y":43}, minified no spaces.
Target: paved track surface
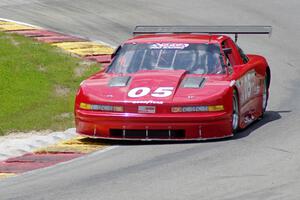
{"x":262,"y":162}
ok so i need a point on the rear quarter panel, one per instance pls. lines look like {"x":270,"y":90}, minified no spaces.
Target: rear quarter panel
{"x":249,"y":84}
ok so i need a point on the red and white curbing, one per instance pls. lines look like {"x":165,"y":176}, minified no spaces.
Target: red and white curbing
{"x":19,"y":144}
{"x":13,"y":146}
{"x":97,"y":51}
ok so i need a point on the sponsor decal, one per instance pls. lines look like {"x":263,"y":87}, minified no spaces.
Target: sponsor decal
{"x":248,"y":86}
{"x":169,"y":46}
{"x":148,"y":102}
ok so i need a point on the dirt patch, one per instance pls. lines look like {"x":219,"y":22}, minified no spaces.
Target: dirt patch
{"x":82,"y":68}
{"x":79,"y":71}
{"x":86,"y":63}
{"x":41,"y":68}
{"x":61,"y":91}
{"x":12,"y":40}
{"x":63,"y":116}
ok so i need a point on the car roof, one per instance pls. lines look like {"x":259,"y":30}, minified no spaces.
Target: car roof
{"x":177,"y":38}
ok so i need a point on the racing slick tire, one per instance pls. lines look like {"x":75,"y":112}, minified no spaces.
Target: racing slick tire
{"x":235,"y":113}
{"x":265,"y":96}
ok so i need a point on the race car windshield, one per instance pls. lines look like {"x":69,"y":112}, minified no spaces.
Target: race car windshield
{"x":194,"y":58}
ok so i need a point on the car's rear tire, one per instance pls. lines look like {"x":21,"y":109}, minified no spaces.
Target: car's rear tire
{"x":235,"y":113}
{"x":265,"y":96}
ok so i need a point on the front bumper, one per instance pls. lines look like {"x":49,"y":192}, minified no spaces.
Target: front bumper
{"x":133,"y":126}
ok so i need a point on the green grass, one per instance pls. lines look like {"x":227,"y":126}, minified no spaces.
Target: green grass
{"x":38,"y":83}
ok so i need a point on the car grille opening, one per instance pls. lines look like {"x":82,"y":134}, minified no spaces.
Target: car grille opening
{"x":147,"y":134}
{"x":116,"y":133}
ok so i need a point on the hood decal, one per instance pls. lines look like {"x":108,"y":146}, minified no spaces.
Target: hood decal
{"x":193,"y":82}
{"x":120,"y":81}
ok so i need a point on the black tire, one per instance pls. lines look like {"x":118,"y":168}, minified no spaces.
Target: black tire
{"x":265,"y":96}
{"x":235,"y":113}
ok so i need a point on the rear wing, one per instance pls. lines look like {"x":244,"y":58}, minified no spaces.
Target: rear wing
{"x":204,"y":29}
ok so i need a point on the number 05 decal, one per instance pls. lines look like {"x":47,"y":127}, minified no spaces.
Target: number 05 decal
{"x":143,"y":91}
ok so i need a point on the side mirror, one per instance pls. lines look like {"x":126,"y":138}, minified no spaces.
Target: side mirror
{"x":227,"y":51}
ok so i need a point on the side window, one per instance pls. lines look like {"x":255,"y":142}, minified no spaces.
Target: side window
{"x":243,"y":56}
{"x":229,"y":60}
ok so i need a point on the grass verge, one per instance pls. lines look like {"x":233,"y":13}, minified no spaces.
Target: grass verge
{"x":38,"y":83}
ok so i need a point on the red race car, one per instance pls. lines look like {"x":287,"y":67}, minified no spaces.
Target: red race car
{"x":176,"y":83}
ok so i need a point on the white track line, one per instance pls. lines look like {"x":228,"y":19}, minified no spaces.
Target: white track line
{"x":17,"y":22}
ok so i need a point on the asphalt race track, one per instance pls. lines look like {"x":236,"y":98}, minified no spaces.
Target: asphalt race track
{"x":262,"y":162}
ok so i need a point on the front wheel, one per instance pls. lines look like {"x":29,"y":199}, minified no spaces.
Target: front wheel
{"x":235,"y":113}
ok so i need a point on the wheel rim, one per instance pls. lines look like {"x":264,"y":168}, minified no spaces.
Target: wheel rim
{"x":265,"y":96}
{"x":235,"y":114}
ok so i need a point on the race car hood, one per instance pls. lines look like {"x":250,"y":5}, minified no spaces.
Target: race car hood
{"x":155,"y":87}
